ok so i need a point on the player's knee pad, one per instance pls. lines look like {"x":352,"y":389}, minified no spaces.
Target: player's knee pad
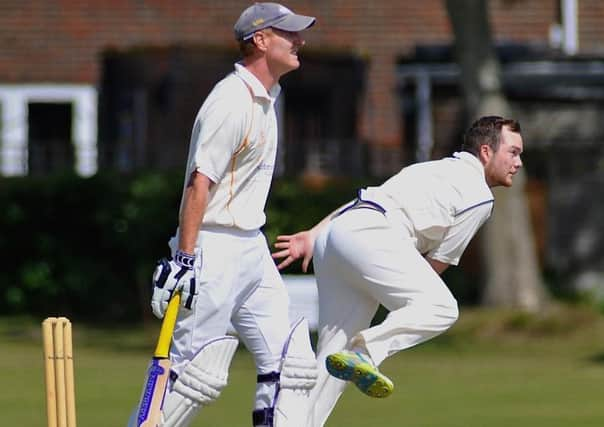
{"x":200,"y":383}
{"x":296,"y":377}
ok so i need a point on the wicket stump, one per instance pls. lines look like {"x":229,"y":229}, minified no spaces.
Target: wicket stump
{"x":58,"y":367}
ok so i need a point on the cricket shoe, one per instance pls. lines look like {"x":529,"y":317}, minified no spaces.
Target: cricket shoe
{"x":354,"y":367}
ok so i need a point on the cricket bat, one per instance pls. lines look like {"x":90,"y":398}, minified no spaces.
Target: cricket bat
{"x":152,"y":398}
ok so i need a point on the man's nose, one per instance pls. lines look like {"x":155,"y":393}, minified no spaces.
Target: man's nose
{"x":299,"y":41}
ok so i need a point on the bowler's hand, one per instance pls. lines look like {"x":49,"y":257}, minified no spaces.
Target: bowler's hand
{"x":172,"y":275}
{"x":293,"y":247}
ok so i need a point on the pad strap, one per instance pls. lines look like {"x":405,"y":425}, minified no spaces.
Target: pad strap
{"x":271,"y":377}
{"x":263,"y":417}
{"x":292,"y":384}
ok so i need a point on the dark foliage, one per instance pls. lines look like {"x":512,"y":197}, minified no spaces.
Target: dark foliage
{"x":86,"y":247}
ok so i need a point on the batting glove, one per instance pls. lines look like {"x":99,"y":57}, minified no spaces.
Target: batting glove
{"x":172,"y":275}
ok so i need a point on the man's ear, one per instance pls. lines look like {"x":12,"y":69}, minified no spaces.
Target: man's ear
{"x":485,"y":153}
{"x":260,"y":40}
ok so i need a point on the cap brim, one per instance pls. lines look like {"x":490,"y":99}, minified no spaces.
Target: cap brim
{"x":295,"y":23}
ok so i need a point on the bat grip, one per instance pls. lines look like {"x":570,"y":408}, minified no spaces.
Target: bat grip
{"x":167,"y":328}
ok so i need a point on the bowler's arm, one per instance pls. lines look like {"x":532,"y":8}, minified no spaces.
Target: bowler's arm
{"x":291,"y":247}
{"x":438,"y":266}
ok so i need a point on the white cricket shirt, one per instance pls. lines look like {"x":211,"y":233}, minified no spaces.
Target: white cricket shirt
{"x":444,"y":203}
{"x":234,"y":143}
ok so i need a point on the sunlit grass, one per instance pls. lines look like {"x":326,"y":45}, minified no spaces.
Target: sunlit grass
{"x":492,"y":369}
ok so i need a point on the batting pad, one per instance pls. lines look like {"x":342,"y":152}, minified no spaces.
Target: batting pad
{"x":298,"y":376}
{"x":200,"y":383}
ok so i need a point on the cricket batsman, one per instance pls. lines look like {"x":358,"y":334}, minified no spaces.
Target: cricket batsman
{"x":221,"y":264}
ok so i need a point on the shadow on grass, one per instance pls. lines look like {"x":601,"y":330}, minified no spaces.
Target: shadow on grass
{"x":597,"y":358}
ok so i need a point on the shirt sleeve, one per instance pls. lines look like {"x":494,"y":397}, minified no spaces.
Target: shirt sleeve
{"x":218,"y":131}
{"x":458,"y":236}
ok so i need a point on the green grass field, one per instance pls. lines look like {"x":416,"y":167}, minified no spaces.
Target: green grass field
{"x":492,"y":369}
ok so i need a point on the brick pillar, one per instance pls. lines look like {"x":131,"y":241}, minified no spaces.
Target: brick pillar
{"x":381,"y":121}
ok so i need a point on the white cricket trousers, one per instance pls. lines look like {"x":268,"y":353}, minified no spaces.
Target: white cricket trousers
{"x":238,"y":282}
{"x":364,"y":258}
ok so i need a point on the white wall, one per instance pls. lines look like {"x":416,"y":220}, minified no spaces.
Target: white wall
{"x":14,"y":100}
{"x":304,"y":299}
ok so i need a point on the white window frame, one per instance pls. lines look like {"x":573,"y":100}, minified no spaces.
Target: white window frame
{"x":14,"y":100}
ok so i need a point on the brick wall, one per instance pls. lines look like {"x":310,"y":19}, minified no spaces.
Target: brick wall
{"x":591,"y":26}
{"x":65,"y":42}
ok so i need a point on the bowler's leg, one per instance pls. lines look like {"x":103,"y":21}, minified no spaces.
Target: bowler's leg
{"x":420,"y":304}
{"x":379,"y":258}
{"x":344,"y":310}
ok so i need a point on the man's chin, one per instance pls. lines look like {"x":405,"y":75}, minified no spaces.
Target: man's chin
{"x":294,"y":61}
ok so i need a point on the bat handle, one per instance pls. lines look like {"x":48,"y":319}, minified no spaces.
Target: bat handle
{"x":167,"y":327}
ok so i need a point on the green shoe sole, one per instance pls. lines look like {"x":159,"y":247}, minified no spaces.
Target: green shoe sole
{"x":362,"y":374}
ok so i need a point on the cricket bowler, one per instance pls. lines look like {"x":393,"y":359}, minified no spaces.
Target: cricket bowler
{"x":389,"y":247}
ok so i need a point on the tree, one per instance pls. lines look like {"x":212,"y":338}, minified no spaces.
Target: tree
{"x":513,"y":277}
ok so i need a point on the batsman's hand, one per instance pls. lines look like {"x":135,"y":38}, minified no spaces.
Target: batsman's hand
{"x":172,"y":275}
{"x":293,"y":247}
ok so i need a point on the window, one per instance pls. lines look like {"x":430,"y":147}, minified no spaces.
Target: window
{"x":50,"y":146}
{"x":47,"y":127}
{"x":150,"y":98}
